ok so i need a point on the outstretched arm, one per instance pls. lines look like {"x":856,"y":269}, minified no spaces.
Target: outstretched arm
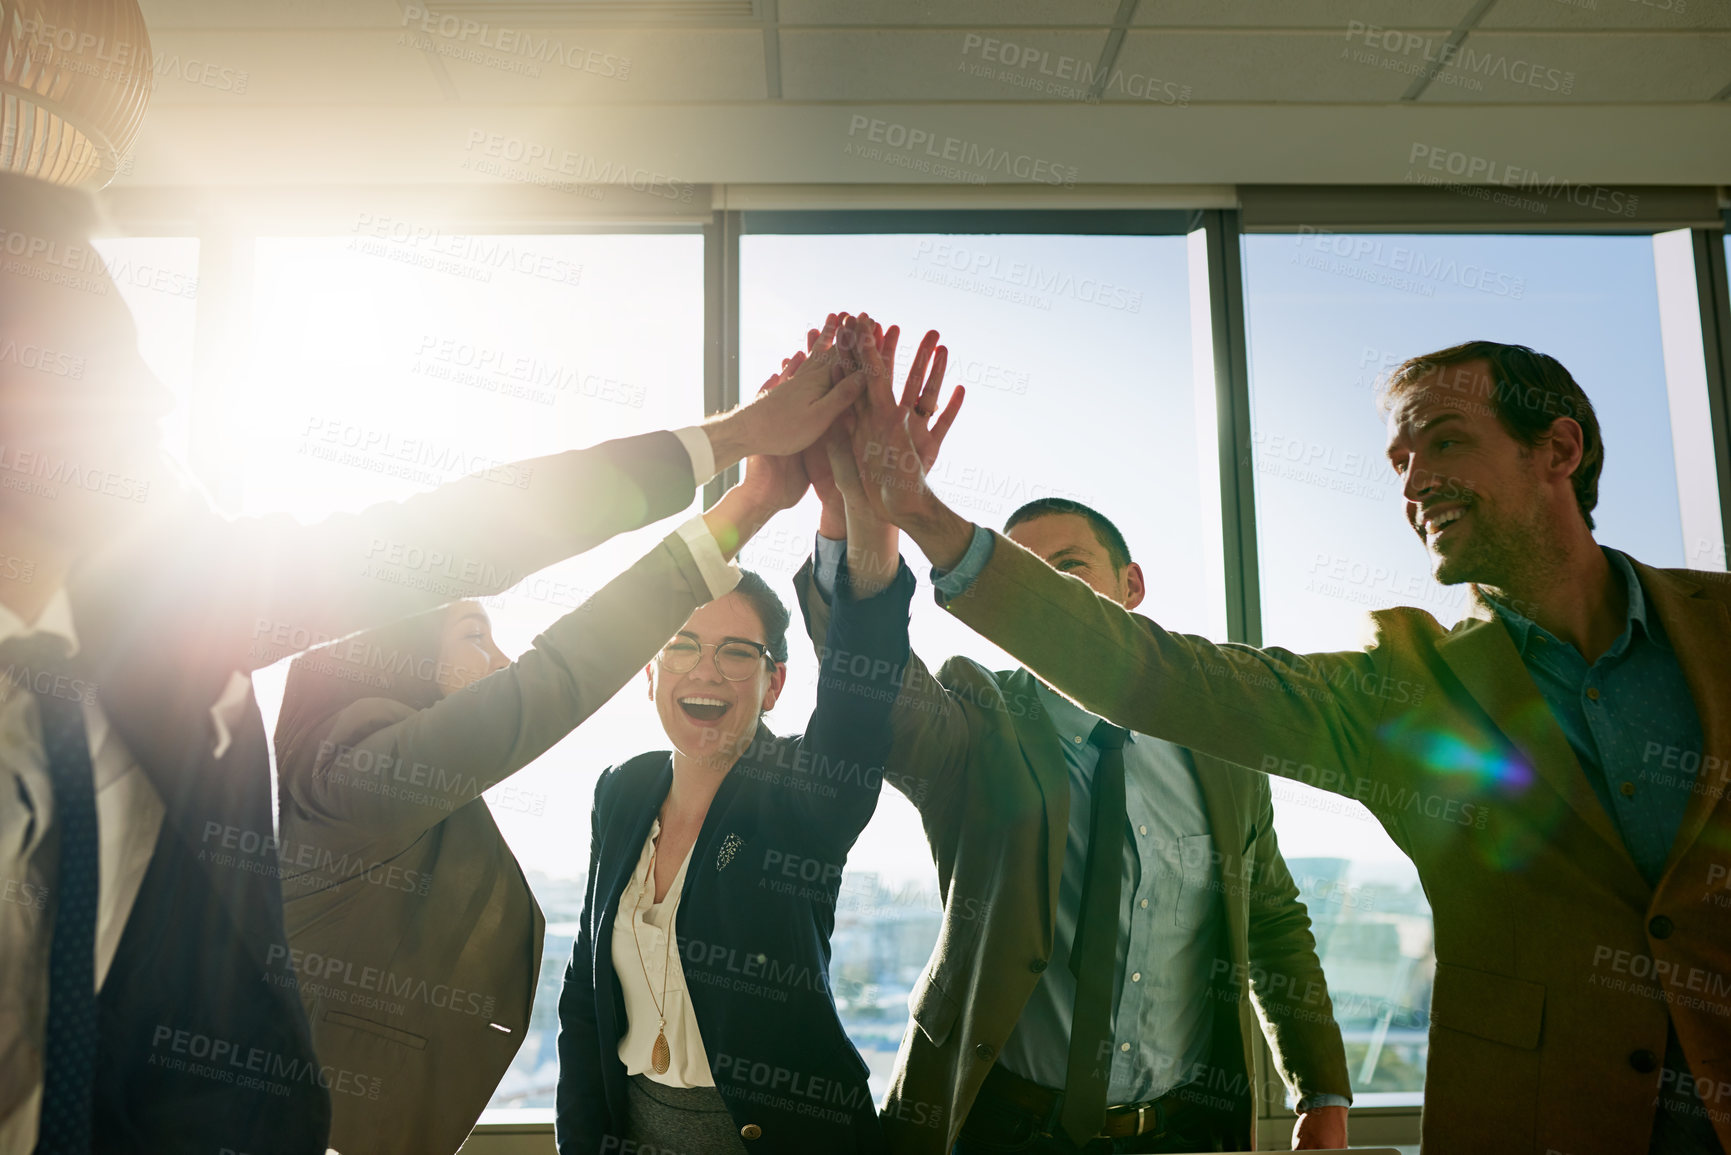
{"x":1312,"y":716}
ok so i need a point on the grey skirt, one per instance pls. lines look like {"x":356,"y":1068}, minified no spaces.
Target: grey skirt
{"x":679,"y":1120}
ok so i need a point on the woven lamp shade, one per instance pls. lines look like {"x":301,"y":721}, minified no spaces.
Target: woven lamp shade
{"x":75,"y":77}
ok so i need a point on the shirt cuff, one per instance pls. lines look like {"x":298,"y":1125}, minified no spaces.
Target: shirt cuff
{"x":826,"y":558}
{"x":955,"y":582}
{"x":1322,"y":1099}
{"x":702,"y":454}
{"x":718,"y":573}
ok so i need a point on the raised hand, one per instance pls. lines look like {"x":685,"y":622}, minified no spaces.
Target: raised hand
{"x":920,"y":394}
{"x":792,"y":415}
{"x":891,"y":470}
{"x":776,"y":482}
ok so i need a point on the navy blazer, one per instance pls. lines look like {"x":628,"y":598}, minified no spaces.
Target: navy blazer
{"x":755,"y":914}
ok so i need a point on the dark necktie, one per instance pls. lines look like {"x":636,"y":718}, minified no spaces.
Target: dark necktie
{"x":38,"y":664}
{"x":1094,"y":951}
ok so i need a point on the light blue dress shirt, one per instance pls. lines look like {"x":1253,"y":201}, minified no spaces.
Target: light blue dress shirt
{"x":1171,"y":925}
{"x":1633,"y":725}
{"x":1629,"y":717}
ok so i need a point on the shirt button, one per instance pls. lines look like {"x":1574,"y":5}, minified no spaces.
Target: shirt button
{"x":1628,"y":789}
{"x":1137,"y":977}
{"x":1592,"y":693}
{"x":1660,"y":927}
{"x":1077,"y":739}
{"x":984,"y":1051}
{"x":751,"y":1131}
{"x":1144,"y":904}
{"x":1037,"y":965}
{"x":1643,"y":1060}
{"x":1125,"y":1047}
{"x":1143,"y":829}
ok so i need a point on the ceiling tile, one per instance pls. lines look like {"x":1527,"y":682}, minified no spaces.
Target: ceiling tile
{"x":1306,"y":14}
{"x":1658,"y":15}
{"x":214,"y":14}
{"x":1631,"y":68}
{"x":302,"y":68}
{"x":948,"y":65}
{"x":955,"y":13}
{"x":1252,"y":66}
{"x":577,"y":66}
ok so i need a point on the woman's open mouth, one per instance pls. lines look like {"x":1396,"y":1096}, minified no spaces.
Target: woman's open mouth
{"x":704,"y":710}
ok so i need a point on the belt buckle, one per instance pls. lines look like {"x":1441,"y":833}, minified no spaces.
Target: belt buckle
{"x":1142,"y":1111}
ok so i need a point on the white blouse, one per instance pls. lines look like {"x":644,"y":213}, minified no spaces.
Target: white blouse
{"x":642,"y":978}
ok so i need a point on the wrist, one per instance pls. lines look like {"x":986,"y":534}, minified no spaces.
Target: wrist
{"x":832,"y":522}
{"x":734,"y":519}
{"x":729,"y":439}
{"x":942,"y":534}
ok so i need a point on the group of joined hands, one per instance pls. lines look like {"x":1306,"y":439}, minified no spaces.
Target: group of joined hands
{"x":831,"y":420}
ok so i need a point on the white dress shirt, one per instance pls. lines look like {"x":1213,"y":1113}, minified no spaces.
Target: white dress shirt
{"x":128,"y":817}
{"x":646,"y":964}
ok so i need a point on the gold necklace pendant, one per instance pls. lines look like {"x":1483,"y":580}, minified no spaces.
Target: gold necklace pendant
{"x":661,"y":1057}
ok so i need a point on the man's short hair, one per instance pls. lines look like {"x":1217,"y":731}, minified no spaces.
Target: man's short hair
{"x":1528,"y":391}
{"x":1117,"y":549}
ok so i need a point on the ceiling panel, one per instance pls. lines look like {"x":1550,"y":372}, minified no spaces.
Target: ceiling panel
{"x":1658,"y":15}
{"x":955,"y":13}
{"x":1632,"y":68}
{"x":948,"y":65}
{"x":1337,"y":14}
{"x":209,"y":14}
{"x":579,"y":66}
{"x":1250,"y":66}
{"x":298,"y":68}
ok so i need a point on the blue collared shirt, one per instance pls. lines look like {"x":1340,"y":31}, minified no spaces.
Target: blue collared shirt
{"x":1170,"y":920}
{"x":1629,"y":717}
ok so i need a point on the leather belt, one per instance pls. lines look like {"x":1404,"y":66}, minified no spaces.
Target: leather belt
{"x":1156,"y":1117}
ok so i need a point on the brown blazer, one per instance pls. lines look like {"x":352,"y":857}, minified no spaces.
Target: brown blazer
{"x":976,"y":754}
{"x":1547,"y":1020}
{"x":414,"y":933}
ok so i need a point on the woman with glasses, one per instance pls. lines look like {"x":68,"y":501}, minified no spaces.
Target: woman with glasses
{"x":414,"y":940}
{"x":696,"y":1015}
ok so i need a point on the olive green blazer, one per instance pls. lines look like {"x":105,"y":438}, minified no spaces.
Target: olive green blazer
{"x":1557,"y":964}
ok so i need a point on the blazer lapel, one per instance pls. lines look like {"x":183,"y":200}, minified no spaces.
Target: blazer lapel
{"x":1483,"y":656}
{"x":637,"y":805}
{"x":1039,"y":744}
{"x":1699,"y":630}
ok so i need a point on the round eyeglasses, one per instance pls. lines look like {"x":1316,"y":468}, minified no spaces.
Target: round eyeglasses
{"x":736,"y":660}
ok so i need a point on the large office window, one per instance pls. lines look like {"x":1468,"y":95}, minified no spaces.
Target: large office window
{"x":393,"y":360}
{"x":1329,"y":315}
{"x":1076,"y":355}
{"x":157,"y":277}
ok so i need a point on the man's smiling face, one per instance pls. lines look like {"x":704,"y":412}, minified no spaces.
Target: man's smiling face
{"x":1476,"y":497}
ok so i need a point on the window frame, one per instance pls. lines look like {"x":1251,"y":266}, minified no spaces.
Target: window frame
{"x":227,"y":231}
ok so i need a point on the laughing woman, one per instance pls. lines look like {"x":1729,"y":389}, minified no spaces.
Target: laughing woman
{"x":696,"y":1014}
